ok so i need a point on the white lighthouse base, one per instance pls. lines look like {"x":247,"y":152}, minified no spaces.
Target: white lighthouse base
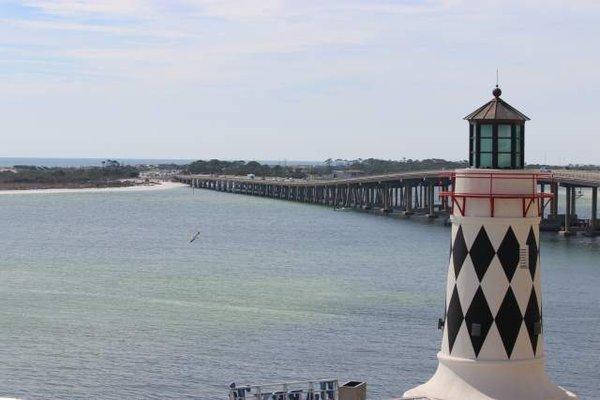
{"x":464,"y":379}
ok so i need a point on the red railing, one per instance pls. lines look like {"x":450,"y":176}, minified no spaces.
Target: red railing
{"x":527,"y":199}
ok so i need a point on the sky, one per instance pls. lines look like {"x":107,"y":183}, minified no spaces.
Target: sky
{"x":293,"y":80}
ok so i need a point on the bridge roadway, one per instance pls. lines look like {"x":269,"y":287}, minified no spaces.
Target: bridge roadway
{"x":406,"y":193}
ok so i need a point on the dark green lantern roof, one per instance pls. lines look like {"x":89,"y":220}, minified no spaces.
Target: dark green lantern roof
{"x":497,"y":110}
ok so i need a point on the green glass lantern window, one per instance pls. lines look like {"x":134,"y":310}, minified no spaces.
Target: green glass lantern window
{"x":504,"y":145}
{"x":504,"y":131}
{"x":486,"y":131}
{"x":472,"y":145}
{"x":485,"y":160}
{"x":486,"y":145}
{"x":496,"y":135}
{"x":496,"y":145}
{"x":504,"y":160}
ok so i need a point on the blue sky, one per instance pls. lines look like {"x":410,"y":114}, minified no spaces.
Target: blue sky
{"x":297,"y":80}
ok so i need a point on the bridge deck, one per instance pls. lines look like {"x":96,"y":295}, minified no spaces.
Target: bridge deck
{"x":408,"y":192}
{"x":562,"y":177}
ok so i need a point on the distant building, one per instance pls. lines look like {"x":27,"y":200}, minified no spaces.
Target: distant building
{"x":347,"y":173}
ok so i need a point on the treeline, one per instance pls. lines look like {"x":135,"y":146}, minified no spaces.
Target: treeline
{"x":376,"y":166}
{"x":27,"y":174}
{"x":244,"y":168}
{"x":578,"y":167}
{"x":327,"y":168}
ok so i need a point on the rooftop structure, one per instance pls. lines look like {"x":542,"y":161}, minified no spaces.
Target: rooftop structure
{"x":497,"y":135}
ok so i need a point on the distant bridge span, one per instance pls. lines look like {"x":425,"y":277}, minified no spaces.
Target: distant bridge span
{"x":404,"y":192}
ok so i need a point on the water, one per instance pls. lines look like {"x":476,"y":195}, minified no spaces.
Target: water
{"x":103,"y":297}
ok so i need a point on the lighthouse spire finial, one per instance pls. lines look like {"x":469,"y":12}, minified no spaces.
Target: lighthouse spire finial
{"x":497,"y":92}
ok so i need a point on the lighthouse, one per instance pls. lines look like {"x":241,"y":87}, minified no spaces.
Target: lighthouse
{"x":493,"y":332}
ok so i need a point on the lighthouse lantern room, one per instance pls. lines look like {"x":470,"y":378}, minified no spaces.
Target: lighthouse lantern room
{"x":496,"y":135}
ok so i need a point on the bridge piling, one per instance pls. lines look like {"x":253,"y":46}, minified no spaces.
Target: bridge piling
{"x":431,"y":201}
{"x":593,"y":228}
{"x":568,"y":209}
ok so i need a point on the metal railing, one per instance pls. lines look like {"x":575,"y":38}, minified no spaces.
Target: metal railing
{"x":323,"y":389}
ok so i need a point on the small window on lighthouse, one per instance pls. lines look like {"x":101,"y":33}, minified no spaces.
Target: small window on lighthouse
{"x":475,"y":330}
{"x":524,"y":257}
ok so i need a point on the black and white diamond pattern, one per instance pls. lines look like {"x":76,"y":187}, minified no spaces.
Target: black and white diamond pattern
{"x":533,"y":252}
{"x":508,"y":320}
{"x":493,"y":307}
{"x":481,"y":253}
{"x":459,"y":251}
{"x":533,"y":320}
{"x":479,"y":319}
{"x":508,"y":253}
{"x":454,"y":318}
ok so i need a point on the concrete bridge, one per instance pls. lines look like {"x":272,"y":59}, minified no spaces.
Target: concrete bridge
{"x":408,"y":193}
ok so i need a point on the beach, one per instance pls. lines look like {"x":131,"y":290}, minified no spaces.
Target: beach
{"x":163,"y":185}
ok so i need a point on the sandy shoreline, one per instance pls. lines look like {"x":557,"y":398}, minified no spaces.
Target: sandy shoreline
{"x":138,"y":188}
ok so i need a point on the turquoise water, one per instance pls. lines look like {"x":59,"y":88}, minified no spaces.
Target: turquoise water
{"x":103,"y":297}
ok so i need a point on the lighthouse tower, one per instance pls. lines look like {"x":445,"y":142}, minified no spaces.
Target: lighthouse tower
{"x":492,"y":345}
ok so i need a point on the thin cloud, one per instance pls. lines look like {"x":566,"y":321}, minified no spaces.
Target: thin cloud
{"x":85,"y":7}
{"x":94,"y":28}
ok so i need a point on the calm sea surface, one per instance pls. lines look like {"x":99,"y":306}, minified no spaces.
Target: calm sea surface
{"x":102,"y":297}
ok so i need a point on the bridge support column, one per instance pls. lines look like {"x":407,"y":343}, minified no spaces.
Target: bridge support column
{"x":402,"y":196}
{"x":444,"y":188}
{"x":573,"y":202}
{"x":554,"y":201}
{"x":594,"y":216}
{"x":408,"y":203}
{"x":568,"y":208}
{"x":386,"y":199}
{"x":543,"y":190}
{"x":431,"y":201}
